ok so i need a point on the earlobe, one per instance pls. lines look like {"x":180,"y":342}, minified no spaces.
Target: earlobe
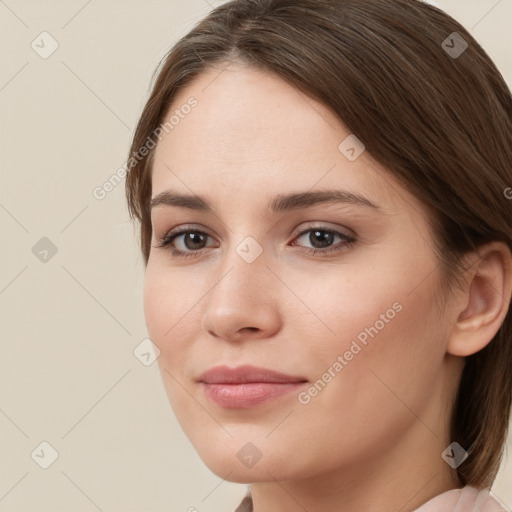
{"x":485,"y":300}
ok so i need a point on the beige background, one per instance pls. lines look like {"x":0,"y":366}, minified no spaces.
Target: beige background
{"x":69,"y":325}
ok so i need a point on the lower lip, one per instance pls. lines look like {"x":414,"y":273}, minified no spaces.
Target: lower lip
{"x":249,"y":394}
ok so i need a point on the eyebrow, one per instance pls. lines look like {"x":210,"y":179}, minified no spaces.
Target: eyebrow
{"x":280,"y":203}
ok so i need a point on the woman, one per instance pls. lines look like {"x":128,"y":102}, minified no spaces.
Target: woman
{"x":322,"y":192}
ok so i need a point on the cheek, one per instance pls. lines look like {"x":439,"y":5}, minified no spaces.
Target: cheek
{"x":389,"y":351}
{"x":169,"y":302}
{"x":166,"y":303}
{"x":360,"y":307}
{"x":155,"y":300}
{"x":168,"y":313}
{"x":379,"y":321}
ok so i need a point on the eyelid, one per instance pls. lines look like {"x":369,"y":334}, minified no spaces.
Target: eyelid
{"x":185,"y":228}
{"x":347,"y":240}
{"x":170,"y":236}
{"x":300,"y":230}
{"x":323,"y":226}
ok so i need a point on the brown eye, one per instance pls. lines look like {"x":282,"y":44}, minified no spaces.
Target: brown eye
{"x":321,"y":240}
{"x":192,"y":240}
{"x":186,"y":242}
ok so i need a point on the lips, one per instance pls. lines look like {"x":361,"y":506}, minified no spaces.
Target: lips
{"x":246,"y":386}
{"x":244,"y":374}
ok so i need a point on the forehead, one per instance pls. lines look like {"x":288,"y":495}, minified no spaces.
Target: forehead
{"x":245,"y":113}
{"x":251,"y":132}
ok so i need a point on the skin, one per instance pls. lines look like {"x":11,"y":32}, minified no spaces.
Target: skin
{"x":372,"y":438}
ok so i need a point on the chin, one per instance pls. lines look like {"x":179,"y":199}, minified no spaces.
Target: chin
{"x":234,"y":471}
{"x":241,"y":461}
{"x":231,"y":464}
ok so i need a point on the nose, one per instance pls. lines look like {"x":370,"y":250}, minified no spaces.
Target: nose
{"x":244,"y":300}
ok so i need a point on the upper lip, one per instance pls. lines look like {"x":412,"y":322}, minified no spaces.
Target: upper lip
{"x":245,"y":374}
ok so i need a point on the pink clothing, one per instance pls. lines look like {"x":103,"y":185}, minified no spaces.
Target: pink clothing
{"x":467,"y":499}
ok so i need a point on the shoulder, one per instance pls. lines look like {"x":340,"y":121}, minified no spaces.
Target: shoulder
{"x":467,"y":499}
{"x":485,"y":502}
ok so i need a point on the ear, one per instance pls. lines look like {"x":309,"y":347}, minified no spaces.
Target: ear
{"x":484,"y":300}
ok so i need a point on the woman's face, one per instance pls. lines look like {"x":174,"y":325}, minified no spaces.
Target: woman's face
{"x":351,"y":329}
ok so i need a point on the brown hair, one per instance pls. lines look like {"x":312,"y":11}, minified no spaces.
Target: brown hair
{"x":440,"y":123}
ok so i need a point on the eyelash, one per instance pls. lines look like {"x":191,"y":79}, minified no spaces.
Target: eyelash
{"x":169,"y":238}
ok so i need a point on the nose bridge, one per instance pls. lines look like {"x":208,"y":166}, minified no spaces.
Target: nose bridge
{"x":243,"y":271}
{"x":241,"y":296}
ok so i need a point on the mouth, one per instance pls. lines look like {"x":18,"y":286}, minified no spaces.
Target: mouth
{"x":244,"y":387}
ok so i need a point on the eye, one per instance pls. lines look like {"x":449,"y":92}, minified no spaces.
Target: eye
{"x":322,"y":239}
{"x":187,"y":242}
{"x":192,"y":242}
